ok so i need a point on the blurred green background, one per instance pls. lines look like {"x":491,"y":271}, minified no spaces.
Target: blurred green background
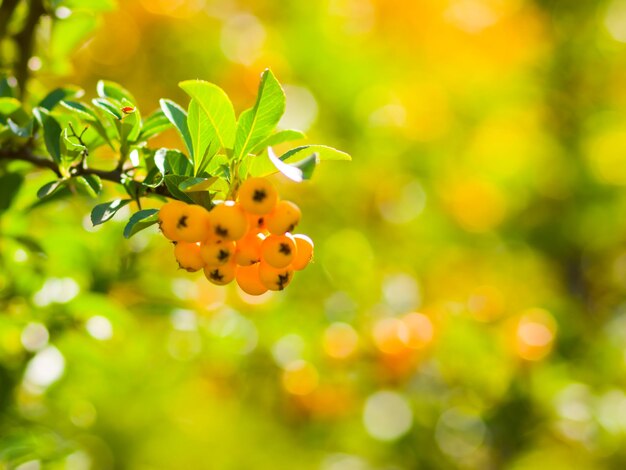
{"x":466,"y":304}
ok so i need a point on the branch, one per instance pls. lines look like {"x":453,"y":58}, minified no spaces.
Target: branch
{"x":6,"y":12}
{"x":25,"y":154}
{"x":25,"y":40}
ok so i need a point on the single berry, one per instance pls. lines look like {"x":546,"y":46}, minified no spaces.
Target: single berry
{"x":220,"y":275}
{"x":284,"y":218}
{"x":248,"y":280}
{"x":188,"y":256}
{"x":168,"y":215}
{"x":274,"y":278}
{"x":304,"y":252}
{"x":187,"y":223}
{"x":256,"y":223}
{"x":228,"y":221}
{"x":278,"y":250}
{"x":258,"y":196}
{"x":217,"y":253}
{"x":249,"y":249}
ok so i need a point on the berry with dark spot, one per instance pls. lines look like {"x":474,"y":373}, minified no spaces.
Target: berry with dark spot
{"x":257,"y":196}
{"x":278,"y":250}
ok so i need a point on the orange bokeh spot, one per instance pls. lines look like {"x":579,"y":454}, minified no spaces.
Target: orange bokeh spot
{"x":300,"y":378}
{"x":420,"y":330}
{"x":340,"y":340}
{"x":390,"y":335}
{"x":535,"y":334}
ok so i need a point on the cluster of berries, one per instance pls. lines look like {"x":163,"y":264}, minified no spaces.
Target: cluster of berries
{"x":248,"y":240}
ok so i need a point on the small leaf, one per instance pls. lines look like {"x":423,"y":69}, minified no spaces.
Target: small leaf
{"x":108,"y":89}
{"x":8,"y":87}
{"x":129,"y":127}
{"x":178,"y":117}
{"x":171,"y":161}
{"x":154,"y":124}
{"x":140,"y":220}
{"x":10,"y":184}
{"x":172,"y":182}
{"x":286,"y":135}
{"x":256,"y":123}
{"x":51,"y":132}
{"x":324,"y":153}
{"x":50,"y":188}
{"x":103,"y":212}
{"x":83,"y":110}
{"x":59,"y":94}
{"x":291,"y":172}
{"x":30,"y":244}
{"x":108,"y":107}
{"x":26,"y":131}
{"x":70,"y":149}
{"x":90,"y":185}
{"x":197,"y":184}
{"x":153,"y":179}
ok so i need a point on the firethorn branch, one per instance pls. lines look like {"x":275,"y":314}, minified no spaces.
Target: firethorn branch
{"x":116,"y":175}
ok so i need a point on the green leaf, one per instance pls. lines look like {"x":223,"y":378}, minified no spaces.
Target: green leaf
{"x":324,"y":153}
{"x":103,"y":212}
{"x":10,"y":184}
{"x":256,"y":123}
{"x":70,"y":148}
{"x":279,"y":137}
{"x":108,"y":89}
{"x":171,"y":161}
{"x":130,"y":126}
{"x":90,"y":185}
{"x":51,"y":132}
{"x":197,"y":184}
{"x":290,"y":171}
{"x":140,"y":220}
{"x":59,"y":94}
{"x":50,"y":188}
{"x":215,"y":165}
{"x":154,"y":124}
{"x":30,"y":244}
{"x":153,"y":179}
{"x":172,"y":182}
{"x":109,"y":107}
{"x":202,"y":198}
{"x":86,"y":113}
{"x":81,"y":109}
{"x":25,"y":131}
{"x":8,"y":87}
{"x":221,"y":123}
{"x":202,"y":139}
{"x":9,"y":105}
{"x":178,"y":117}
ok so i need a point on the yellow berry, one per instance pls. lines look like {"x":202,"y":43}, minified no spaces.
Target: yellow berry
{"x":184,"y":222}
{"x":188,"y":256}
{"x":228,"y":221}
{"x":258,"y":196}
{"x":217,"y":253}
{"x":248,"y":279}
{"x":220,"y":275}
{"x":278,"y":250}
{"x":274,"y":278}
{"x":256,"y":223}
{"x":249,"y":249}
{"x":304,"y":252}
{"x":284,"y":218}
{"x":168,"y":215}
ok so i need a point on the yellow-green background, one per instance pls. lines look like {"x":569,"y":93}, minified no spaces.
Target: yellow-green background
{"x":487,"y":191}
